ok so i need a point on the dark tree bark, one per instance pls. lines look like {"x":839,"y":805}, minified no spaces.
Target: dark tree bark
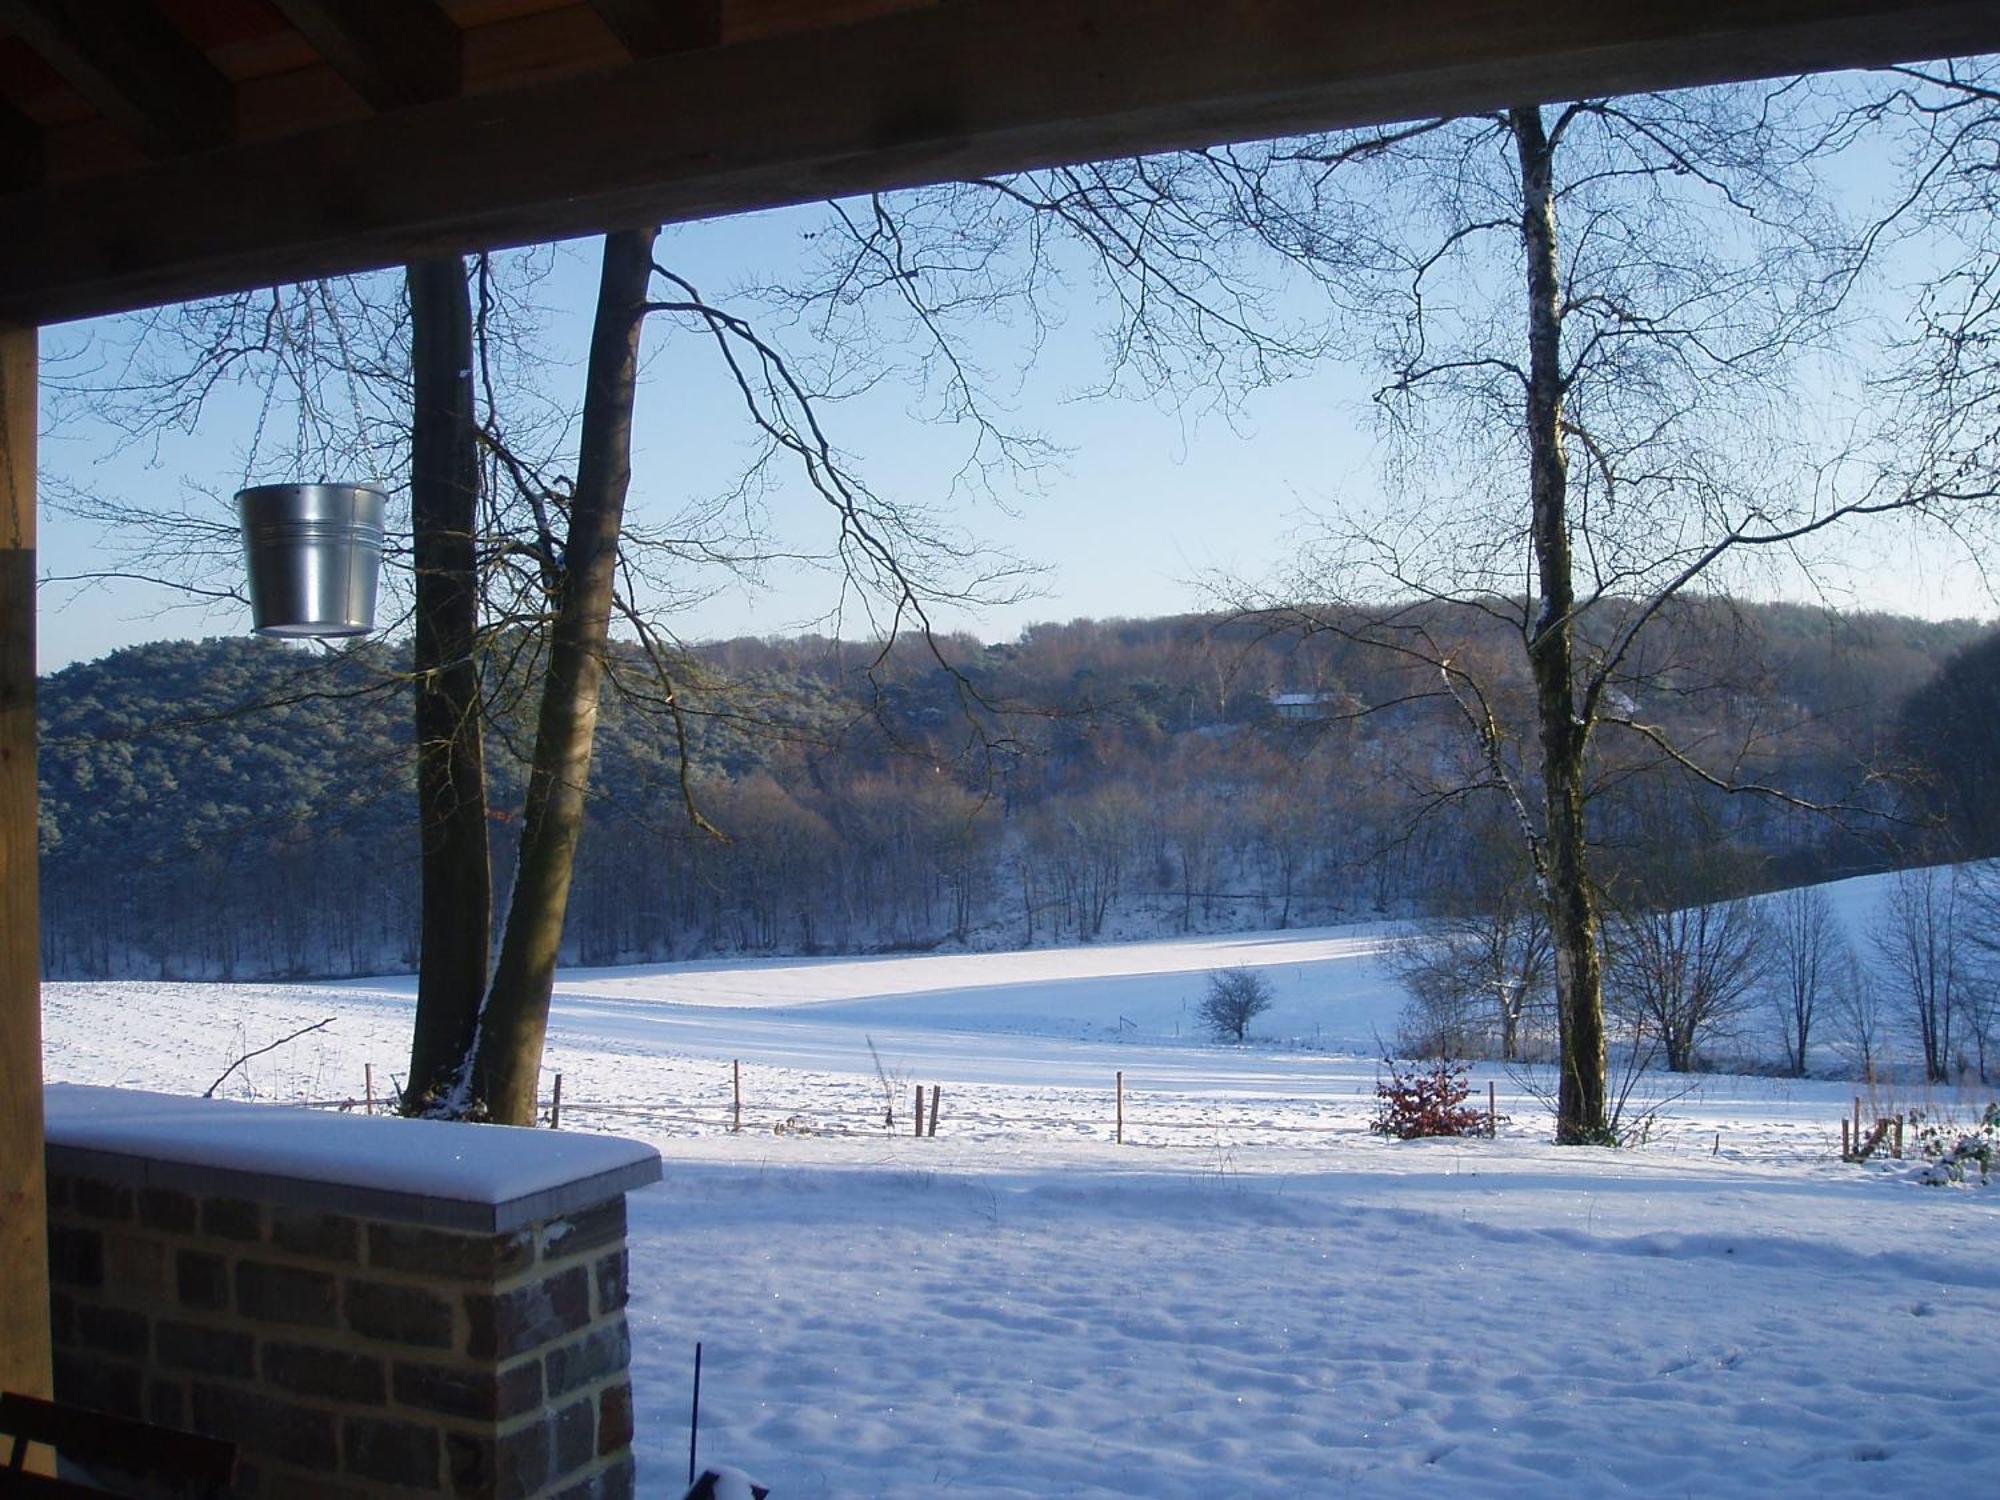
{"x":507,"y":1061}
{"x":457,"y":903}
{"x":1562,"y":865}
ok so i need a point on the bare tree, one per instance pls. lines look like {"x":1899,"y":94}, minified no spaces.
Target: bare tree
{"x":1979,"y":893}
{"x":555,"y":565}
{"x":1923,"y":962}
{"x":1479,"y":981}
{"x":1806,"y":952}
{"x":1588,"y":314}
{"x":456,"y":919}
{"x":1941,"y":398}
{"x":1234,"y":998}
{"x":1859,"y":1011}
{"x":1687,"y":974}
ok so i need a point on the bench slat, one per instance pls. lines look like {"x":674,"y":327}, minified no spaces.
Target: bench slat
{"x":119,"y":1442}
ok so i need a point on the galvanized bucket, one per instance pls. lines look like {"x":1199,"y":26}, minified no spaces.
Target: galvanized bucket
{"x":314,"y":552}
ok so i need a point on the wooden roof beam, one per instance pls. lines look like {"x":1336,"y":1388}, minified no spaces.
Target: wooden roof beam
{"x":974,"y":87}
{"x":21,"y":162}
{"x":140,"y":73}
{"x":393,"y":53}
{"x":648,"y":28}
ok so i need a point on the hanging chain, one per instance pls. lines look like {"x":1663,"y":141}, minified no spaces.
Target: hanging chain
{"x":264,"y":410}
{"x":353,"y":385}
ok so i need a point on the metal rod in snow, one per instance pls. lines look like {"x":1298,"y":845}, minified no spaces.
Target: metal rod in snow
{"x":694,"y":1413}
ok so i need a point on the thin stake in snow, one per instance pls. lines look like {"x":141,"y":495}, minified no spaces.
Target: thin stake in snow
{"x":936,"y":1089}
{"x":555,"y":1106}
{"x":368,"y":1085}
{"x":1120,"y":1136}
{"x":694,"y":1412}
{"x":920,"y":1111}
{"x":736,"y":1076}
{"x":1492,"y":1109}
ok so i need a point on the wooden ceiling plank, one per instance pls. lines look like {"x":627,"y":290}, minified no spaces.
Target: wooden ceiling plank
{"x":975,"y":87}
{"x":22,"y":159}
{"x":648,"y":28}
{"x":131,"y":63}
{"x":393,"y":53}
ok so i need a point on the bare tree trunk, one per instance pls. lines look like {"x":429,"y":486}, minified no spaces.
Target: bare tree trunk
{"x":1573,"y":918}
{"x":507,"y":1064}
{"x":457,"y":910}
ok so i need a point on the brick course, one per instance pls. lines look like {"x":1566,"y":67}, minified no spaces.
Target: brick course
{"x":351,"y":1357}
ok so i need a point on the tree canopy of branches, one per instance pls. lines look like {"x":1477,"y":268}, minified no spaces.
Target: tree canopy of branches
{"x":1685,"y":975}
{"x":1589,"y":318}
{"x":1587,"y":315}
{"x":520,"y":572}
{"x":1233,"y":999}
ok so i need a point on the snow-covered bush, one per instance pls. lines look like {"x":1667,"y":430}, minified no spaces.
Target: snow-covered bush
{"x":1427,"y":1100}
{"x":1955,"y":1155}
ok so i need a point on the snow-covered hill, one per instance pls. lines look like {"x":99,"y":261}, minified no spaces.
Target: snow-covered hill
{"x":1251,"y":1295}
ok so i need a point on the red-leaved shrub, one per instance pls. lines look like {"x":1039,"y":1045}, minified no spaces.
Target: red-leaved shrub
{"x":1427,"y":1100}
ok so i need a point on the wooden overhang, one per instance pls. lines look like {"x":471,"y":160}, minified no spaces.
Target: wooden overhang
{"x":157,"y":150}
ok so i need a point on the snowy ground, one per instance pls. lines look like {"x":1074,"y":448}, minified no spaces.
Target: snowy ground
{"x":1251,"y":1296}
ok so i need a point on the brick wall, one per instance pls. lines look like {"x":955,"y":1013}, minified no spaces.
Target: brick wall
{"x":349,"y":1355}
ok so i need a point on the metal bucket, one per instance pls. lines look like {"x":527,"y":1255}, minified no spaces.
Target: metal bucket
{"x":314,"y":552}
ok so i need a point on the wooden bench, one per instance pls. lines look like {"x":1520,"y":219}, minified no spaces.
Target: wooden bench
{"x":193,"y":1464}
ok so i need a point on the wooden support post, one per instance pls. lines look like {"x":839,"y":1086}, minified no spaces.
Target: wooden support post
{"x":919,"y":1130}
{"x":736,"y":1078}
{"x":1846,"y":1141}
{"x":1898,"y":1147}
{"x":1857,"y":1122}
{"x":1492,"y":1109}
{"x":368,"y":1085}
{"x":555,"y":1106}
{"x":1120,"y":1137}
{"x":936,"y":1089}
{"x":24,"y":1214}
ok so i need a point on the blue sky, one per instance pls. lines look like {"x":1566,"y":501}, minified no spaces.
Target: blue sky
{"x":1144,"y":504}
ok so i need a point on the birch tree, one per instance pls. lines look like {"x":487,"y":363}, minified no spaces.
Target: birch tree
{"x":1587,"y":314}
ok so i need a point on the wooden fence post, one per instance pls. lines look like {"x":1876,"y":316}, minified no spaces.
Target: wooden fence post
{"x":1846,"y":1135}
{"x":936,"y":1089}
{"x":1120,"y":1138}
{"x":736,"y":1077}
{"x":1492,"y":1109}
{"x":920,"y":1111}
{"x":368,"y":1084}
{"x":555,"y":1106}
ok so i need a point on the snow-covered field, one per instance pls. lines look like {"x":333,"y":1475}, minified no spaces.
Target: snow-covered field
{"x":1251,"y":1296}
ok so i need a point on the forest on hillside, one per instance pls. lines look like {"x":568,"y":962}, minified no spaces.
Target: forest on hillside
{"x":237,"y":809}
